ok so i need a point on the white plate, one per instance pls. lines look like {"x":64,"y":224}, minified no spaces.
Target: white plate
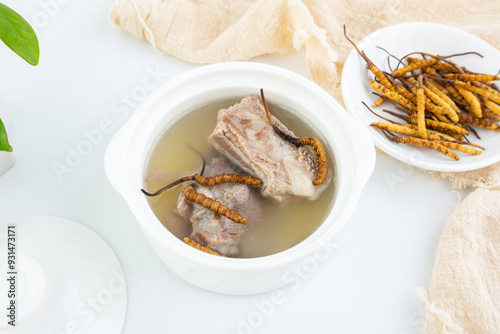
{"x":399,"y":40}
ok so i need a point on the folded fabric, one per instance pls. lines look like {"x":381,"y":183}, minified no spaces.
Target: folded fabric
{"x":487,"y":177}
{"x":464,"y":296}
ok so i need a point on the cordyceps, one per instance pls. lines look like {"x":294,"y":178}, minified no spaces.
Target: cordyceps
{"x":213,"y":205}
{"x":207,"y":202}
{"x":441,"y":101}
{"x":437,"y":146}
{"x":203,"y":248}
{"x":209,"y":180}
{"x":319,"y":150}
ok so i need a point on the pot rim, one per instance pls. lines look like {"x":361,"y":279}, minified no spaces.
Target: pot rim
{"x":119,"y":149}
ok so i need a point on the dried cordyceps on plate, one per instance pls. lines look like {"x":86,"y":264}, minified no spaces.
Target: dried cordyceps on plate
{"x":440,"y":101}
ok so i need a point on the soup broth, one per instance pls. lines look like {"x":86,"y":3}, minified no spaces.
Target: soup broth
{"x":284,"y":225}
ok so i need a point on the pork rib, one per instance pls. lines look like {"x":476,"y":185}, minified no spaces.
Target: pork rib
{"x":243,"y":134}
{"x":212,"y":229}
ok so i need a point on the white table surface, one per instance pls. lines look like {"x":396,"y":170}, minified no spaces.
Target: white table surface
{"x":88,"y":71}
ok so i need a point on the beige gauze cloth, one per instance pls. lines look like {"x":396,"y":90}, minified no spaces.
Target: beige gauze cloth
{"x":464,"y":295}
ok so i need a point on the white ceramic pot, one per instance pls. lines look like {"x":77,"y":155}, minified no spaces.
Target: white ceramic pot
{"x":7,"y":159}
{"x":127,"y":155}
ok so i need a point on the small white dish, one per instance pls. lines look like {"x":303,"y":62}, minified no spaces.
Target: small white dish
{"x":128,"y":152}
{"x":65,"y":279}
{"x":7,"y":159}
{"x":399,"y":40}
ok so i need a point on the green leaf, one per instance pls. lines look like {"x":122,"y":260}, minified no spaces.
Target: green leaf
{"x":18,"y":35}
{"x":4,"y":141}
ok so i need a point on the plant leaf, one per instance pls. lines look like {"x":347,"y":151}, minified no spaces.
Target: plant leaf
{"x":18,"y":35}
{"x":4,"y":141}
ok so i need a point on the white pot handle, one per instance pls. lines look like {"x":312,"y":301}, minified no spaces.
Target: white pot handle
{"x":115,"y":159}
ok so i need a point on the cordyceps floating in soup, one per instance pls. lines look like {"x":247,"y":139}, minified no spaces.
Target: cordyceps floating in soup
{"x":207,"y":202}
{"x":322,"y":168}
{"x":261,"y":189}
